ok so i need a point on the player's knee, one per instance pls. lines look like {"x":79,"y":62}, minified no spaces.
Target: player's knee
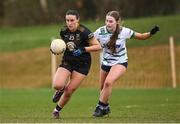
{"x":57,"y":86}
{"x":108,"y":84}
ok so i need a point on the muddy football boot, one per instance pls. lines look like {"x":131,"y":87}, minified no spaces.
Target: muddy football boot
{"x":101,"y":111}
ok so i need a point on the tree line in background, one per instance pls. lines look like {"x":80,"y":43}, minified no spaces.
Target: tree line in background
{"x":32,"y":12}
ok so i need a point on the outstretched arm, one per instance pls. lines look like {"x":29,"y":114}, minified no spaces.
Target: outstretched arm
{"x":144,"y":36}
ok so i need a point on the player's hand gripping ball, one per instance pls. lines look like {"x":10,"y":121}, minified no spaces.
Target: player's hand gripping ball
{"x":58,"y":46}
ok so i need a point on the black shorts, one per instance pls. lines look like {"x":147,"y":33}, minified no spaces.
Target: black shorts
{"x":82,"y":67}
{"x":107,"y":68}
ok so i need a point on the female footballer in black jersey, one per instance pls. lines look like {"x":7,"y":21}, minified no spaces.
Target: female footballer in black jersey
{"x":76,"y":60}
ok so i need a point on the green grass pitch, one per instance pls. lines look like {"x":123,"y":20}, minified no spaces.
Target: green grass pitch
{"x":127,"y":105}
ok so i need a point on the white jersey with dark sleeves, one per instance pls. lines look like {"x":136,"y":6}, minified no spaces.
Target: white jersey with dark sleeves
{"x":120,"y":56}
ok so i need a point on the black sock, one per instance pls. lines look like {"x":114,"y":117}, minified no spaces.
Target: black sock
{"x":58,"y":108}
{"x":103,"y":104}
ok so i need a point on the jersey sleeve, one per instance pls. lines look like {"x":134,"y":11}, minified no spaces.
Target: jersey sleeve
{"x":88,"y":34}
{"x":96,"y":34}
{"x":128,"y":33}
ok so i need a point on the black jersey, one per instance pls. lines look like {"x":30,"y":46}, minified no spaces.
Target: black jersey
{"x":74,"y":40}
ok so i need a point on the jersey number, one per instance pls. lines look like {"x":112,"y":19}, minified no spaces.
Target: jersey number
{"x":71,"y":37}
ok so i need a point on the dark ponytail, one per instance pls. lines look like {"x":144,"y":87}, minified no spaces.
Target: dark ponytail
{"x":112,"y":43}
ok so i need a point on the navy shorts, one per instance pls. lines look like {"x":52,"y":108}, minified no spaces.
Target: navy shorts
{"x":81,"y":67}
{"x":107,"y":68}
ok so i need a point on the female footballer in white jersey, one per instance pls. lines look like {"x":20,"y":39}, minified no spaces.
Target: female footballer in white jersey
{"x":114,"y":60}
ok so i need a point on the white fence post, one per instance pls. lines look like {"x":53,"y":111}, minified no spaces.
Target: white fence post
{"x":173,"y":64}
{"x":53,"y":63}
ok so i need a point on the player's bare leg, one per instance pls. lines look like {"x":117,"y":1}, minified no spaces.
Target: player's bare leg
{"x":103,"y":106}
{"x":74,"y":83}
{"x":115,"y":72}
{"x":60,"y":79}
{"x":103,"y":75}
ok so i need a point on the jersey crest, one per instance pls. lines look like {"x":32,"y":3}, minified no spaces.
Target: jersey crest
{"x":102,"y":31}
